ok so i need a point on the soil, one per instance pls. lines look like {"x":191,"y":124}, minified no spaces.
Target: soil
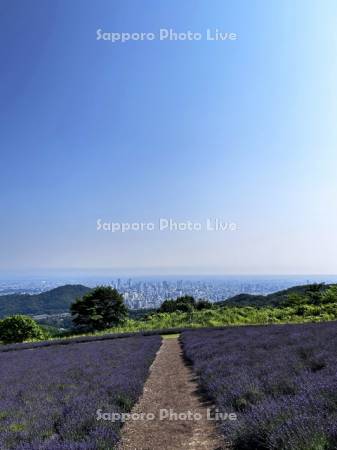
{"x":171,"y":386}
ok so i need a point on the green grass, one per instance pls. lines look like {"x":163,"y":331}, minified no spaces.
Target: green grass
{"x":220,"y":317}
{"x":170,"y":336}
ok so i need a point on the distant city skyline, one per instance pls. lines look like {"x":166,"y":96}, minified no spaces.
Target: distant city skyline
{"x":241,"y":130}
{"x":150,"y":292}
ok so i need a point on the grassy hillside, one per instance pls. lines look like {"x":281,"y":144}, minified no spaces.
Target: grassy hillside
{"x":231,"y":315}
{"x":275,"y":299}
{"x":51,"y":302}
{"x":307,"y":303}
{"x":318,"y":304}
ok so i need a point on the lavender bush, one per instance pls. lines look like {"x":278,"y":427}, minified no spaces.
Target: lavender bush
{"x":281,"y":380}
{"x":49,"y":396}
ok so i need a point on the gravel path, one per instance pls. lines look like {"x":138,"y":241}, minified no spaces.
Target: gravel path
{"x":170,"y":386}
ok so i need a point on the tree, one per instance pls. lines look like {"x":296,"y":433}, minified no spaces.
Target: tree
{"x":168,"y":306}
{"x":183,"y":304}
{"x":314,"y":293}
{"x":99,"y":309}
{"x":19,"y":329}
{"x":295,"y":299}
{"x":330,"y":295}
{"x":203,"y":304}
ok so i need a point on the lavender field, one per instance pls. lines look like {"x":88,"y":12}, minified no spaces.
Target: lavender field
{"x":281,"y":381}
{"x":49,"y":396}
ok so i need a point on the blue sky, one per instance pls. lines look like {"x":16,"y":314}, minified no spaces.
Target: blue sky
{"x":244,"y":131}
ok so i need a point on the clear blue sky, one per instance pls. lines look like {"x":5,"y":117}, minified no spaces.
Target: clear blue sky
{"x":242,"y":130}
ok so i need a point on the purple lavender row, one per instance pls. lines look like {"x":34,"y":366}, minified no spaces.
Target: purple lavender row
{"x":280,"y":380}
{"x":49,"y":397}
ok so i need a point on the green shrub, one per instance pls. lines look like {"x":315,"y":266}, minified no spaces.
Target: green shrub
{"x":19,"y":329}
{"x":330,"y":295}
{"x":183,"y":304}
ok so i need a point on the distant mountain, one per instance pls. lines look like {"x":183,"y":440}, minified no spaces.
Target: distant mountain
{"x":51,"y":302}
{"x":274,"y":299}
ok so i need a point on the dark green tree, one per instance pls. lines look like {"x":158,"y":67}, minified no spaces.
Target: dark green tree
{"x":330,"y":295}
{"x":168,"y":306}
{"x":99,"y":309}
{"x":203,"y":304}
{"x":294,"y":300}
{"x":19,"y":329}
{"x":183,"y":304}
{"x":314,"y":293}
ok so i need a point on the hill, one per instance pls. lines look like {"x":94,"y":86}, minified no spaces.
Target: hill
{"x":58,"y":300}
{"x":275,"y":299}
{"x":54,"y":301}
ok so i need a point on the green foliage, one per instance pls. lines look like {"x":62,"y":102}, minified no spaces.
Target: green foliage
{"x":232,"y":315}
{"x":50,"y":331}
{"x":203,"y":304}
{"x":140,"y":313}
{"x":19,"y":329}
{"x":295,"y":300}
{"x":330,"y":295}
{"x":315,"y":294}
{"x":103,"y":311}
{"x":185,"y":304}
{"x":99,"y":309}
{"x":312,"y":292}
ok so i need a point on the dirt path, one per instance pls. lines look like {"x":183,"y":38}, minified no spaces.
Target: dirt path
{"x":170,"y":386}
